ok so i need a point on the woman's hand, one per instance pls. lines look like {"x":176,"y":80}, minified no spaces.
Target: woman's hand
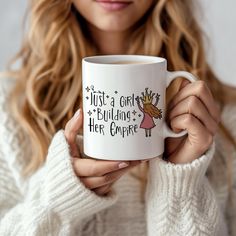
{"x":194,"y":109}
{"x":97,"y":175}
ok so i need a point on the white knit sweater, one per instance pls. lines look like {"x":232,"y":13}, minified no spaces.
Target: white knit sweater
{"x":183,"y":199}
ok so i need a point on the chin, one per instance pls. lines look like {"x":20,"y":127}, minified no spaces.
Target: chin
{"x":115,"y":25}
{"x":109,"y":28}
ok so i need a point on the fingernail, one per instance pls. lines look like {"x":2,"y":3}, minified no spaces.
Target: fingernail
{"x":77,"y":114}
{"x":123,"y":165}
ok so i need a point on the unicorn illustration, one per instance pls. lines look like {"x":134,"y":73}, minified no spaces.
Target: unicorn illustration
{"x":149,"y":110}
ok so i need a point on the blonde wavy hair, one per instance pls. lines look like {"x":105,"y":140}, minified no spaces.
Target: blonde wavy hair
{"x":49,"y":79}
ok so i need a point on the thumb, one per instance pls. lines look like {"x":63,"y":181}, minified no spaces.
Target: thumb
{"x":77,"y":121}
{"x":71,"y":131}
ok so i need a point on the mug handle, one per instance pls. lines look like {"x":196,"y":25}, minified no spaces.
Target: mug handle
{"x":170,"y":77}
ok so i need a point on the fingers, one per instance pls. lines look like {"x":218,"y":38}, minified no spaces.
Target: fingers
{"x":193,"y":105}
{"x":198,"y":141}
{"x":71,"y":130}
{"x":200,"y":90}
{"x":196,"y":131}
{"x":101,"y":184}
{"x":103,"y":190}
{"x":109,"y":178}
{"x":193,"y":108}
{"x":91,"y":167}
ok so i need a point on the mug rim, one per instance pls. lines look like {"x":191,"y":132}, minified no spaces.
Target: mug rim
{"x":108,"y":59}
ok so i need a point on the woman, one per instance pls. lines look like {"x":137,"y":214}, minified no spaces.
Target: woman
{"x":47,"y":188}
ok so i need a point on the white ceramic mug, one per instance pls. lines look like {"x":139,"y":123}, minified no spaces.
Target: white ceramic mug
{"x":124,"y":106}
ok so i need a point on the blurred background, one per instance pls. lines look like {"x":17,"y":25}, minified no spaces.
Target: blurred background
{"x":217,"y":19}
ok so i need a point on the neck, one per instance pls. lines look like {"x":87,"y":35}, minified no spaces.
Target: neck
{"x":110,"y":42}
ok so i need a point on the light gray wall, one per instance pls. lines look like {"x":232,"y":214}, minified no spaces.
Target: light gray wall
{"x":219,"y":23}
{"x":218,"y":20}
{"x":11,"y":24}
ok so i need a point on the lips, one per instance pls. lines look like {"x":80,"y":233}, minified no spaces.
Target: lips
{"x":113,"y":5}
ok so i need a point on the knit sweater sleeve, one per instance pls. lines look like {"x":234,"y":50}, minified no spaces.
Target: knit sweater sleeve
{"x":229,"y":117}
{"x":180,"y":200}
{"x":52,"y":198}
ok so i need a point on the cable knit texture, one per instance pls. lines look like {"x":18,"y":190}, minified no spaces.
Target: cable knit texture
{"x":183,"y":199}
